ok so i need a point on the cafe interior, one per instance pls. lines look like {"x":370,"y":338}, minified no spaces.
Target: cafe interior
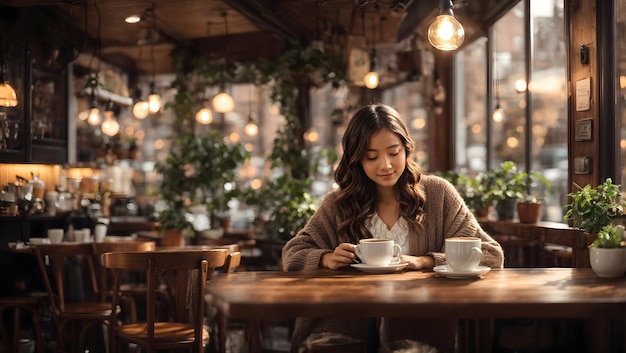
{"x":204,"y":125}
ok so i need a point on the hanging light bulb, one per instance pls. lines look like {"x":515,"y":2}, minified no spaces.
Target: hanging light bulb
{"x":223,"y":102}
{"x":110,"y":126}
{"x":94,"y":112}
{"x":498,"y":114}
{"x":204,"y":116}
{"x":251,"y":128}
{"x":154,"y":100}
{"x":446,"y":33}
{"x":371,"y":78}
{"x":141,"y":109}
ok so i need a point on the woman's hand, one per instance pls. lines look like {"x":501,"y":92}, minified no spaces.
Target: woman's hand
{"x":341,"y":257}
{"x":418,"y":262}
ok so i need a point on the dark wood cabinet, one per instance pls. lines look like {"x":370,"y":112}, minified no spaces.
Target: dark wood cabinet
{"x":36,"y":130}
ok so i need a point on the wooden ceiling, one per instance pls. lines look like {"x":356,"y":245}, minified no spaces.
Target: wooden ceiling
{"x":248,"y":29}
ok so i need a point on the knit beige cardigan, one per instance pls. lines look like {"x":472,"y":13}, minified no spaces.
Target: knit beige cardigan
{"x":445,"y":215}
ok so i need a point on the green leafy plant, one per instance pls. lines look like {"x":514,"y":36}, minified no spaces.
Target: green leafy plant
{"x":510,"y":182}
{"x":474,"y":190}
{"x":593,"y":208}
{"x":609,"y":237}
{"x":195,"y":173}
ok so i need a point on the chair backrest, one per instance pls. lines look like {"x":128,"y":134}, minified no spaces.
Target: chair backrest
{"x":190,"y":268}
{"x":105,"y":280}
{"x":63,"y":268}
{"x":232,"y":262}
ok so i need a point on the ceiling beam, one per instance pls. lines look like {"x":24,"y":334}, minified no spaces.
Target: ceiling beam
{"x":237,"y":46}
{"x":262,"y":13}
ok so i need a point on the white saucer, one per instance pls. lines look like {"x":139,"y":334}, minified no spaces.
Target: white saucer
{"x":380,"y":269}
{"x":445,"y":270}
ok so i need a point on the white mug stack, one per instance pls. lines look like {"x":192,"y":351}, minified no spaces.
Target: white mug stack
{"x":463,"y":254}
{"x":378,"y":251}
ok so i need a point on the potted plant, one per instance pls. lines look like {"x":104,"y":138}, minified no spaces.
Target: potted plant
{"x":196,"y":174}
{"x":607,"y":253}
{"x":593,"y":210}
{"x":512,"y":186}
{"x":529,"y":204}
{"x":474,"y":190}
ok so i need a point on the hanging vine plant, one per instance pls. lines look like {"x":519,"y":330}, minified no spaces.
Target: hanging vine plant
{"x":297,"y":69}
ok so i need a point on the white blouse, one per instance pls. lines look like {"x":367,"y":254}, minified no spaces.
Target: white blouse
{"x":399,"y":232}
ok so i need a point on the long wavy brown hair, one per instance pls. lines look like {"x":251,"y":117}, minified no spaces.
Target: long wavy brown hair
{"x":357,"y":196}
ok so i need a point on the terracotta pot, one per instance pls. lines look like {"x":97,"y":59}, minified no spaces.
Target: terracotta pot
{"x":529,"y":212}
{"x":173,"y":238}
{"x":482,"y":213}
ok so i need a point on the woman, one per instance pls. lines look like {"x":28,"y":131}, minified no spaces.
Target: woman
{"x":383,"y":193}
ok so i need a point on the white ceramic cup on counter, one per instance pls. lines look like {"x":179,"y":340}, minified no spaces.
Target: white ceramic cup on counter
{"x":463,"y":253}
{"x":378,"y":251}
{"x":100,"y":232}
{"x":55,"y":235}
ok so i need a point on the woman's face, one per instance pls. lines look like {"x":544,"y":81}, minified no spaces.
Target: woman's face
{"x":385,"y":159}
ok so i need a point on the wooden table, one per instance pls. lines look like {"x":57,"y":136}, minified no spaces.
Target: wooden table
{"x":506,"y":293}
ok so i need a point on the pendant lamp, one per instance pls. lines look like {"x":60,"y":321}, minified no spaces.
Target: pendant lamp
{"x":8,"y":97}
{"x":110,"y":126}
{"x":204,"y":116}
{"x":223,"y":102}
{"x":154,"y":100}
{"x":371,"y":78}
{"x":94,"y":117}
{"x":446,"y":32}
{"x":251,"y":128}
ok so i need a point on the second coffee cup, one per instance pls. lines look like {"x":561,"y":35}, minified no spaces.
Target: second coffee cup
{"x":463,"y":253}
{"x":378,"y":251}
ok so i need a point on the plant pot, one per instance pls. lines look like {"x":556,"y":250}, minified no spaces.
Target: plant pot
{"x":529,"y":212}
{"x":173,"y":238}
{"x":506,"y":209}
{"x":608,"y":262}
{"x":482,"y":213}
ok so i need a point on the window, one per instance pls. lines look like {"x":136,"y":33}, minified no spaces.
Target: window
{"x":529,"y":83}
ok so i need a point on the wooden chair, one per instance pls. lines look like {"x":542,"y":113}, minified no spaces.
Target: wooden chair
{"x":130,"y":290}
{"x":190,"y":269}
{"x":86,"y":310}
{"x":232,"y":263}
{"x":19,"y":305}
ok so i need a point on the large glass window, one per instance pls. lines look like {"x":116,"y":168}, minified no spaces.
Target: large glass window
{"x":527,"y":98}
{"x":470,"y":110}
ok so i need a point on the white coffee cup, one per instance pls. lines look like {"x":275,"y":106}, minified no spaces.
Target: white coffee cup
{"x":87,"y":235}
{"x":463,"y":253}
{"x":39,"y":241}
{"x":378,"y":251}
{"x":55,"y":235}
{"x":100,"y":232}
